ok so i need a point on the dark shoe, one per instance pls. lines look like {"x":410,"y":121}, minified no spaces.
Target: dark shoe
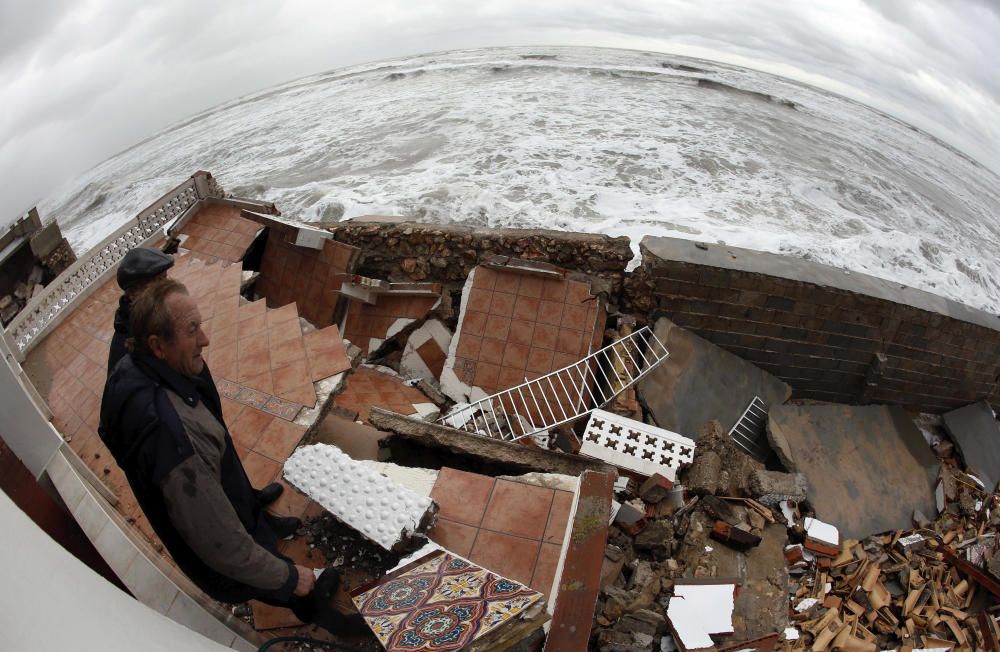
{"x":269,"y":494}
{"x":326,"y":614}
{"x":283,"y":526}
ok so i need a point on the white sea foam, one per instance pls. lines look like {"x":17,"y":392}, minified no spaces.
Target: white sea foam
{"x":592,"y":140}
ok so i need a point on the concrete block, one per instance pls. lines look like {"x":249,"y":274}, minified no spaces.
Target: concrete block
{"x":45,"y":240}
{"x":700,"y":382}
{"x":975,"y":431}
{"x":868,"y":467}
{"x":772,"y":487}
{"x":655,"y":489}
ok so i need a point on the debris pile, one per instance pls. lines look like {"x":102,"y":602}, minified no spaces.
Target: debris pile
{"x":921,"y":588}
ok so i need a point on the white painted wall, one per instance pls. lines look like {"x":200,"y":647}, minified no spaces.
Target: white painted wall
{"x":22,"y":425}
{"x":52,"y":601}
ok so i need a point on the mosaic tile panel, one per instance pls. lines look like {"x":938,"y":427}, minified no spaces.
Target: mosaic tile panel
{"x":440,"y":602}
{"x":279,"y":407}
{"x":636,"y":446}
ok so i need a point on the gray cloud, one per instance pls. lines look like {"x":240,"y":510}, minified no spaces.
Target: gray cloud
{"x":79,"y":82}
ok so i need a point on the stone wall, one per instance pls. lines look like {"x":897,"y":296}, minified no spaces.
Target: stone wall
{"x":406,"y":251}
{"x":830,"y":334}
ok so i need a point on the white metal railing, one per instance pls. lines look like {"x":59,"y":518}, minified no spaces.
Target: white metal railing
{"x":47,"y":308}
{"x":748,"y":433}
{"x":561,"y":396}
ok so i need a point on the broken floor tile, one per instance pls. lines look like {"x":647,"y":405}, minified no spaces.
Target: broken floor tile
{"x":381,"y":509}
{"x":425,"y":351}
{"x":697,"y":610}
{"x":700,"y":382}
{"x":975,"y":431}
{"x":368,"y":325}
{"x":821,"y":538}
{"x":513,"y":327}
{"x":443,"y":602}
{"x":636,"y":446}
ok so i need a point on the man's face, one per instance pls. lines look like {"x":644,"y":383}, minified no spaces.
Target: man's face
{"x":183,"y":355}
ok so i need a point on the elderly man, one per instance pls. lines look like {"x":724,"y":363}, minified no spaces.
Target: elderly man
{"x":161,"y":418}
{"x":139,"y":267}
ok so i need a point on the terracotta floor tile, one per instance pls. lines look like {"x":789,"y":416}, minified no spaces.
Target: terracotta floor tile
{"x":279,"y":439}
{"x":486,"y":375}
{"x":545,"y":568}
{"x":284,"y":313}
{"x":304,"y":395}
{"x":521,"y":331}
{"x":251,"y":345}
{"x":550,"y":312}
{"x":539,"y":360}
{"x":287,"y":352}
{"x":518,"y":509}
{"x":562,"y":505}
{"x":531,"y":286}
{"x":473,"y":322}
{"x":231,"y":410}
{"x":561,"y":360}
{"x":252,"y":309}
{"x":526,"y":308}
{"x":510,"y":556}
{"x":479,"y":300}
{"x":509,"y":377}
{"x":261,"y":382}
{"x":469,"y":346}
{"x":253,"y":327}
{"x":292,"y":375}
{"x":484,"y":278}
{"x":502,"y":304}
{"x":515,"y":355}
{"x":326,"y":363}
{"x":325,"y":338}
{"x":454,"y":537}
{"x":226,"y":354}
{"x":250,"y":426}
{"x":224,"y":333}
{"x":492,"y":350}
{"x":462,"y":496}
{"x":497,"y":327}
{"x":569,"y":341}
{"x":253,"y":365}
{"x":260,"y":470}
{"x":577,"y":292}
{"x":575,"y":316}
{"x":284,"y":331}
{"x":507,"y":282}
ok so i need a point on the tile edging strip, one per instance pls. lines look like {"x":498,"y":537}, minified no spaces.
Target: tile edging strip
{"x":581,"y":576}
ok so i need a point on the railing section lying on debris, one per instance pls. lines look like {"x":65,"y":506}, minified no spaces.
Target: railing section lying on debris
{"x":561,"y":396}
{"x":748,"y":433}
{"x":46,"y":308}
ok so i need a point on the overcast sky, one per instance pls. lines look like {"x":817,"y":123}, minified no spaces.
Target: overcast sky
{"x":83,"y":79}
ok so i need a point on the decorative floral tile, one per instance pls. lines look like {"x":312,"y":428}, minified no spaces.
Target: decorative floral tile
{"x":279,"y":407}
{"x":439,"y":602}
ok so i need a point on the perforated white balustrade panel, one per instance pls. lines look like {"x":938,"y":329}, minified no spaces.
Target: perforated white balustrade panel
{"x":636,"y":446}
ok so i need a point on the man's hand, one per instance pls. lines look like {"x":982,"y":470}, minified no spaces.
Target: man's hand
{"x":306,"y":581}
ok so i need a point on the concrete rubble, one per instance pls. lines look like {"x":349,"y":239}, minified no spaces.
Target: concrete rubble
{"x":851,"y":532}
{"x":709,"y":519}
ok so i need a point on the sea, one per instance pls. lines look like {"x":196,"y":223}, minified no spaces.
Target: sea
{"x":621,"y":142}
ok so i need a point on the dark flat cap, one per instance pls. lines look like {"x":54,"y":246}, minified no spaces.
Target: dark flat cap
{"x":141,"y":264}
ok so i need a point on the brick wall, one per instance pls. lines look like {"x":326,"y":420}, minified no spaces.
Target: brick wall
{"x":821,"y":330}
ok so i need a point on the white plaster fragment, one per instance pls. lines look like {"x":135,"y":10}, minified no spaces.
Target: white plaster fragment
{"x":416,"y":479}
{"x":411,"y":364}
{"x":451,"y":385}
{"x":373,"y":344}
{"x":307,"y":416}
{"x":791,"y":634}
{"x":697,"y":610}
{"x":939,"y":496}
{"x":806,"y":604}
{"x":558,"y":481}
{"x":426,"y":549}
{"x":615,"y":506}
{"x":820,"y":531}
{"x":398,"y":325}
{"x":788,"y":511}
{"x":381,"y":509}
{"x":427,"y":411}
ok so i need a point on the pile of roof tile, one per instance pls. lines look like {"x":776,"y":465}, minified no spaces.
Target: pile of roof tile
{"x":935,"y":586}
